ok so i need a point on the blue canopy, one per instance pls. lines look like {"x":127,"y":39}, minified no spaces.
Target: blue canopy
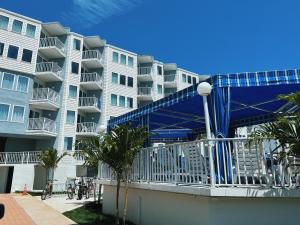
{"x":251,"y":99}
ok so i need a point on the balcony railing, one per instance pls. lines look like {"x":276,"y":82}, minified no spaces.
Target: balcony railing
{"x":89,"y":101}
{"x":20,"y":157}
{"x":49,"y":67}
{"x":144,"y":70}
{"x":87,"y":127}
{"x":170,"y":78}
{"x":216,"y":162}
{"x":91,"y":77}
{"x":144,"y":91}
{"x":42,"y":124}
{"x":46,"y":94}
{"x":52,"y":42}
{"x":91,"y":54}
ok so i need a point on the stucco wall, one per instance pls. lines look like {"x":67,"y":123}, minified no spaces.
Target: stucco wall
{"x":149,"y":207}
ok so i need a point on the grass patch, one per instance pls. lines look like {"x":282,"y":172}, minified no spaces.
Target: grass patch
{"x":32,"y":193}
{"x":91,"y":214}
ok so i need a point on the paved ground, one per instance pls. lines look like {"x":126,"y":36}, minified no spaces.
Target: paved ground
{"x":14,"y":214}
{"x":63,"y":204}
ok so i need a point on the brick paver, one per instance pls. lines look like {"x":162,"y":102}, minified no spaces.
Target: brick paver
{"x":14,"y":214}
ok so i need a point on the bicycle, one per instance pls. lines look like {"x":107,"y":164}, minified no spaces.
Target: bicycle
{"x":72,"y":189}
{"x":47,"y":192}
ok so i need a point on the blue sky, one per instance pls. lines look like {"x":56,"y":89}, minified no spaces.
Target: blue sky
{"x":204,"y":36}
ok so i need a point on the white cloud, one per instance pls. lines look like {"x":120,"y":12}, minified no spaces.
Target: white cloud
{"x":87,"y":13}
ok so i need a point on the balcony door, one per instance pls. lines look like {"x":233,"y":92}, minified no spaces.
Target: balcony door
{"x":2,"y":143}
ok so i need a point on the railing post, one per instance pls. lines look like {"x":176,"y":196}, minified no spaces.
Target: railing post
{"x":23,"y":157}
{"x":5,"y":160}
{"x":27,"y":157}
{"x":211,"y":164}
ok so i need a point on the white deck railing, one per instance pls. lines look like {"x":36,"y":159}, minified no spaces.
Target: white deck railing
{"x":51,"y":42}
{"x":42,"y":124}
{"x":87,"y":127}
{"x":49,"y":67}
{"x":89,"y":101}
{"x":144,"y":70}
{"x":91,"y":54}
{"x":91,"y":77}
{"x":45,"y":94}
{"x":170,"y":78}
{"x":197,"y":163}
{"x":144,"y":91}
{"x":19,"y":157}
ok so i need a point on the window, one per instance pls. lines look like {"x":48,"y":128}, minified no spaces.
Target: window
{"x":1,"y":48}
{"x":17,"y":26}
{"x":75,"y":67}
{"x":130,"y":61}
{"x":159,"y":89}
{"x":114,"y":78}
{"x":18,"y":114}
{"x":194,"y":80}
{"x":130,"y":102}
{"x":4,"y":111}
{"x":72,"y":91}
{"x":123,"y":59}
{"x":115,"y":57}
{"x":121,"y":101}
{"x":68,"y":143}
{"x":8,"y":81}
{"x":189,"y":79}
{"x":122,"y":79}
{"x":30,"y":30}
{"x":70,"y":117}
{"x":184,"y":78}
{"x":130,"y":82}
{"x":114,"y":99}
{"x":159,"y":70}
{"x":76,"y":44}
{"x":27,"y":55}
{"x":4,"y":22}
{"x":22,"y":84}
{"x":13,"y":52}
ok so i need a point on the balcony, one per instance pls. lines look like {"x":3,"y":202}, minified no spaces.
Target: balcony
{"x":87,"y":129}
{"x":41,"y":127}
{"x":48,"y":71}
{"x":92,"y":59}
{"x":91,"y":81}
{"x":145,"y":74}
{"x":45,"y":98}
{"x":52,"y":48}
{"x":32,"y":157}
{"x":145,"y":93}
{"x":89,"y":104}
{"x":170,"y":80}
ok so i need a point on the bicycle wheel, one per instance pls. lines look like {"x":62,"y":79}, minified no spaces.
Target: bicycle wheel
{"x":44,"y":195}
{"x":70,"y":193}
{"x":87,"y":194}
{"x":79,"y":194}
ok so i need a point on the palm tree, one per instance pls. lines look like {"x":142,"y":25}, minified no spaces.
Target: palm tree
{"x":49,"y":159}
{"x":285,"y":129}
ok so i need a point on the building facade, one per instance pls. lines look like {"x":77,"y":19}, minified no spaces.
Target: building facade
{"x":57,"y":86}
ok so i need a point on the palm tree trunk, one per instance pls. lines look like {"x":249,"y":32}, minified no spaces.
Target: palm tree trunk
{"x":126,"y":203}
{"x":117,"y":200}
{"x":99,"y":194}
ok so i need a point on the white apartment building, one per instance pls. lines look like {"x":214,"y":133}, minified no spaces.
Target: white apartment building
{"x":57,"y":86}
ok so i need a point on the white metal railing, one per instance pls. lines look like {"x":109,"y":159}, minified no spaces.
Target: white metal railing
{"x":42,"y":124}
{"x":170,"y":78}
{"x":144,"y":70}
{"x":19,"y":157}
{"x":89,"y":101}
{"x":144,"y":91}
{"x":91,"y":54}
{"x":49,"y":67}
{"x":87,"y":127}
{"x":52,"y":42}
{"x":45,"y":94}
{"x":202,"y":163}
{"x":91,"y":77}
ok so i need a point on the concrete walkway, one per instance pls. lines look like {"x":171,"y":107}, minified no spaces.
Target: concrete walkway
{"x":14,"y":214}
{"x":41,"y":213}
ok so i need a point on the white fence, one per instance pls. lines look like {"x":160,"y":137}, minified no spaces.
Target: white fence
{"x":215,"y":162}
{"x":49,"y":67}
{"x":51,"y":42}
{"x":87,"y":127}
{"x":45,"y":94}
{"x":144,"y":70}
{"x":89,"y":101}
{"x":91,"y":54}
{"x":42,"y":124}
{"x":91,"y":77}
{"x":19,"y":157}
{"x":144,"y":91}
{"x":170,"y":78}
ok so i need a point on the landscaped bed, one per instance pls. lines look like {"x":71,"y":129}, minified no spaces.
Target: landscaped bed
{"x":91,"y":214}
